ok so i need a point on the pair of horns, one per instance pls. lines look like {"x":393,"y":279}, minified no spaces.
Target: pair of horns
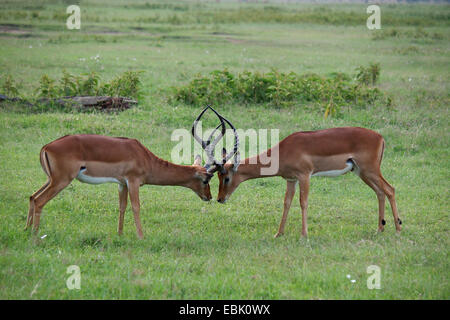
{"x":212,"y":165}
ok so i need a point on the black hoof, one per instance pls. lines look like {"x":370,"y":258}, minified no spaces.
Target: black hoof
{"x":399,"y":221}
{"x":383,"y":222}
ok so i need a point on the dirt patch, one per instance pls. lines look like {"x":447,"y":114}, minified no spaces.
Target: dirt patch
{"x":235,"y":41}
{"x":13,"y":29}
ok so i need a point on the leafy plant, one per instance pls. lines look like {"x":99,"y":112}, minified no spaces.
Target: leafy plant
{"x":68,"y":84}
{"x":280,"y":89}
{"x":368,"y":75}
{"x":47,"y":87}
{"x":89,"y":86}
{"x":9,"y":87}
{"x":126,"y":85}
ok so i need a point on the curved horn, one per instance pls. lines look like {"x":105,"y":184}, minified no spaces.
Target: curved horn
{"x":236,"y":142}
{"x":194,"y":126}
{"x":212,"y":165}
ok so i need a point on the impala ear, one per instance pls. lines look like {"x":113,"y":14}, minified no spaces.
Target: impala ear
{"x":197,"y":161}
{"x":204,"y":176}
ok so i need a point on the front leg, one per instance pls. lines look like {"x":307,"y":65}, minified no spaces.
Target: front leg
{"x":123,"y":195}
{"x":133,"y":189}
{"x":290,"y":192}
{"x":304,"y":190}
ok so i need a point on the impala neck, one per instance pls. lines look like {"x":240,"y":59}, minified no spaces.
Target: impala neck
{"x":169,"y":174}
{"x":253,"y":167}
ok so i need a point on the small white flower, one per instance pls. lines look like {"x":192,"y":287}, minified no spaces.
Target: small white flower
{"x":353,"y":280}
{"x":348,"y":276}
{"x":410,"y":79}
{"x":30,"y":47}
{"x":43,"y":236}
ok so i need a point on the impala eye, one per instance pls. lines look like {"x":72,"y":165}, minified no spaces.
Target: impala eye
{"x":205,"y":182}
{"x":227,"y":180}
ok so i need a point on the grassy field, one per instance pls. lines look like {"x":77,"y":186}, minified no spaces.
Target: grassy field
{"x":198,"y":250}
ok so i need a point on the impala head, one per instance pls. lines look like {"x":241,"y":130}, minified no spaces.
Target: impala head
{"x":200,"y":183}
{"x":229,"y":179}
{"x":227,"y":171}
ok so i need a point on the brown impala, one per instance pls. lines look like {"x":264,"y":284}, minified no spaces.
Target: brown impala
{"x":302,"y":155}
{"x":96,"y":159}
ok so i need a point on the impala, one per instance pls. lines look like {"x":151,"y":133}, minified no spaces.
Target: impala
{"x":97,"y":159}
{"x":302,"y":155}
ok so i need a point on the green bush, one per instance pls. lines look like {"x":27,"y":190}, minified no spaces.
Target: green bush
{"x":47,"y":87}
{"x":127,"y":84}
{"x":368,"y":75}
{"x":279,"y":89}
{"x":9,"y":87}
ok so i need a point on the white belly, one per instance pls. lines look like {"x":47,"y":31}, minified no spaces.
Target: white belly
{"x":95,"y":180}
{"x":334,"y":173}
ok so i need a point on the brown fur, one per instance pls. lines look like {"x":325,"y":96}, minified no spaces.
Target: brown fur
{"x":126,"y":160}
{"x":304,"y":153}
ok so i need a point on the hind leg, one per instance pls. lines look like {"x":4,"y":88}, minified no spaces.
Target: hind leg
{"x":390,"y":193}
{"x":381,"y":207}
{"x":123,"y":194}
{"x":32,"y":205}
{"x":133,"y":190}
{"x":382,"y":188}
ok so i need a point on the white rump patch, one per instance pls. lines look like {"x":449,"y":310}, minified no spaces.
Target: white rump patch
{"x":334,"y":173}
{"x":95,"y":180}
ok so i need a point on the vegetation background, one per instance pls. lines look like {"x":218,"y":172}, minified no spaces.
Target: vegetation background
{"x":197,"y":250}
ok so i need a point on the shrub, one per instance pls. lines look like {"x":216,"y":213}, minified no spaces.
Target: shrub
{"x":368,"y":75}
{"x":47,"y":87}
{"x":127,"y":84}
{"x":279,"y":89}
{"x":9,"y":87}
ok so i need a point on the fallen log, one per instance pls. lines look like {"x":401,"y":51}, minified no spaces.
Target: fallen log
{"x":104,"y":103}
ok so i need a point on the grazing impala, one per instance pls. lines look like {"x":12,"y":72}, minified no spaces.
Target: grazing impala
{"x":96,"y":159}
{"x":302,"y":155}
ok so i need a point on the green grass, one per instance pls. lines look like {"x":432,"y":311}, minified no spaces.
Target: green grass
{"x":197,"y":250}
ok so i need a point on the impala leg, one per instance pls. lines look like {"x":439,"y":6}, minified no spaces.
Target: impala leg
{"x":290,"y":192}
{"x":390,"y":193}
{"x":45,"y":196}
{"x":381,"y":205}
{"x":382,"y":188}
{"x":32,"y":206}
{"x":304,"y":190}
{"x":123,"y":195}
{"x":135,"y":205}
{"x":374,"y":182}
